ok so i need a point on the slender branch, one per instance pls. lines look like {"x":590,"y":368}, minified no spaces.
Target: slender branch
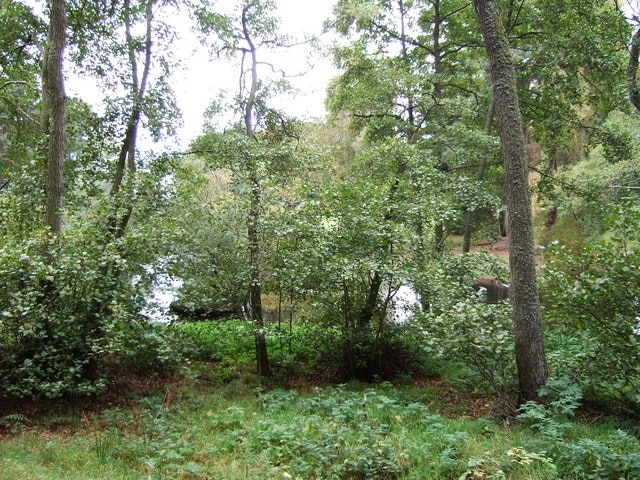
{"x":21,"y":111}
{"x":282,"y":72}
{"x":378,"y":115}
{"x":16,"y":82}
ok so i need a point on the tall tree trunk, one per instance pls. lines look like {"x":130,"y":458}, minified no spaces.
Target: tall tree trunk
{"x":527,"y":323}
{"x":439,"y":230}
{"x":54,"y":118}
{"x":253,"y":216}
{"x":632,"y":71}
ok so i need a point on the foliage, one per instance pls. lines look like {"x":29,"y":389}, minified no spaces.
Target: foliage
{"x":48,"y":333}
{"x":140,"y":345}
{"x":592,"y":295}
{"x":350,"y":431}
{"x":552,"y":418}
{"x":607,"y":177}
{"x":60,"y":320}
{"x":20,"y":135}
{"x":459,"y":324}
{"x":409,"y":75}
{"x":612,"y":456}
{"x":558,"y":76}
{"x":100,"y":47}
{"x":350,"y":248}
{"x":231,"y":340}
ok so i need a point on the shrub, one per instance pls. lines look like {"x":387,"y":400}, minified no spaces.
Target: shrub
{"x":52,"y":314}
{"x":461,"y":327}
{"x":616,"y":455}
{"x":62,"y":313}
{"x":592,"y":296}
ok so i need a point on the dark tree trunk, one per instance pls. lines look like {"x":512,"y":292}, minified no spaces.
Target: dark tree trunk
{"x":54,"y":118}
{"x":527,"y":323}
{"x":371,"y":302}
{"x":119,"y":218}
{"x":632,"y":70}
{"x":439,"y":229}
{"x":255,"y":290}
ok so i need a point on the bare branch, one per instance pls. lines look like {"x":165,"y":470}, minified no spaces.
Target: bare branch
{"x":15,"y":82}
{"x":282,"y":72}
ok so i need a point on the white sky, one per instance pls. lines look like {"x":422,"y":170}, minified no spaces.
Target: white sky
{"x":203,"y":77}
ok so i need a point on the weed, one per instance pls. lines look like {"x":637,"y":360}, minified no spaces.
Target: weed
{"x":352,"y":431}
{"x":14,"y":422}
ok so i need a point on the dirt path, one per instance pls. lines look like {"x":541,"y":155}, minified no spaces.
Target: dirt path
{"x":499,"y":249}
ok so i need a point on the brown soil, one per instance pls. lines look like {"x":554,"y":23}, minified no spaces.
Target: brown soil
{"x":500,"y":248}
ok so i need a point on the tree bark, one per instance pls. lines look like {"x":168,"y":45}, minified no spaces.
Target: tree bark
{"x":54,"y":119}
{"x":253,"y":216}
{"x":632,"y":71}
{"x":370,"y":303}
{"x":527,"y":322}
{"x":438,"y":54}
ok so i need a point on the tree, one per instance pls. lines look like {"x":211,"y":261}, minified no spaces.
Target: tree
{"x":127,"y":48}
{"x":255,"y":203}
{"x":410,"y":74}
{"x":54,"y":114}
{"x":265,"y":148}
{"x":566,"y":90}
{"x":527,"y":322}
{"x":21,"y":180}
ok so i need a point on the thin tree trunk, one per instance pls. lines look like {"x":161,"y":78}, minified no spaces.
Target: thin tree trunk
{"x":527,"y":323}
{"x":371,"y":302}
{"x":439,"y":230}
{"x":469,"y":221}
{"x":253,"y":216}
{"x":117,"y":221}
{"x":54,"y":118}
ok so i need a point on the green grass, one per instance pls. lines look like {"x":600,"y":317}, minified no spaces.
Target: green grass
{"x":222,"y":423}
{"x":239,"y":431}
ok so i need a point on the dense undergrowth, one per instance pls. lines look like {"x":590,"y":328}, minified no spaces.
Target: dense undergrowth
{"x":215,"y":420}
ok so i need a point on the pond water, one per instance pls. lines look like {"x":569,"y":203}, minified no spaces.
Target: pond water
{"x":405,"y":303}
{"x":164,"y":292}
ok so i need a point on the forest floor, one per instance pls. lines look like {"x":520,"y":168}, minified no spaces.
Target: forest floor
{"x":234,"y":427}
{"x":69,"y":415}
{"x":500,"y":248}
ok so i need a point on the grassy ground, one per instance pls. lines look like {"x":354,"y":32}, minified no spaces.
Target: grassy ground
{"x":236,"y":429}
{"x":219,"y":421}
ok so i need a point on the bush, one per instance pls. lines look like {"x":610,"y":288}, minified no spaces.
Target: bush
{"x":63,"y":313}
{"x":461,"y":327}
{"x":616,"y":455}
{"x":592,"y":296}
{"x":52,"y":314}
